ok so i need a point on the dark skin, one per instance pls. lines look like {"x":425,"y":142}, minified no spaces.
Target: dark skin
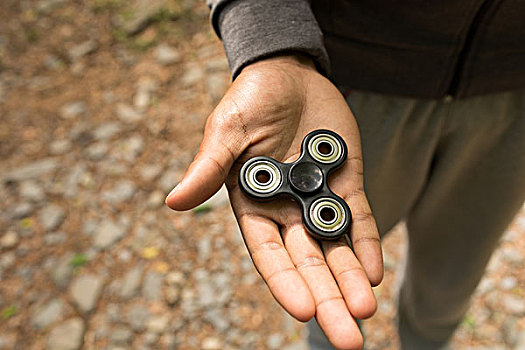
{"x":267,"y":111}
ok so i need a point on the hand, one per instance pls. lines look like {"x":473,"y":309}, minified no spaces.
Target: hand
{"x":267,"y":111}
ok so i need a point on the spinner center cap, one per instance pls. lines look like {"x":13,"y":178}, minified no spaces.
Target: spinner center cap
{"x":306,"y":177}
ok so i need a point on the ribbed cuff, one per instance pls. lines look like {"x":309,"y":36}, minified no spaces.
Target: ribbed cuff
{"x":255,"y":29}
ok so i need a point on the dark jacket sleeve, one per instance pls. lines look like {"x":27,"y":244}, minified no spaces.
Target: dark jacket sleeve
{"x":254,"y":29}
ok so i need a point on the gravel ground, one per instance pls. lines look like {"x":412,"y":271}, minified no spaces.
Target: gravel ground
{"x":102,"y":107}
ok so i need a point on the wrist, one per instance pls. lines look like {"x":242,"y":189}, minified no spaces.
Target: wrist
{"x":291,"y":60}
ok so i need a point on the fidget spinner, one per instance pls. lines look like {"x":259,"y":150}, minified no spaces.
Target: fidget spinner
{"x":325,"y":215}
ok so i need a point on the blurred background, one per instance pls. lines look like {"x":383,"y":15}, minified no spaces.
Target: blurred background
{"x":102,"y":107}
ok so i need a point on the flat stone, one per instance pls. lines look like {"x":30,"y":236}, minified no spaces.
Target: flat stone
{"x":85,"y":291}
{"x":51,"y":217}
{"x":151,"y":288}
{"x":138,"y":317}
{"x":109,"y":232}
{"x":121,"y":336}
{"x":158,"y":324}
{"x":31,"y":191}
{"x":275,"y":341}
{"x":130,"y":148}
{"x":167,"y":55}
{"x":121,"y":192}
{"x":216,"y":317}
{"x":217,"y":65}
{"x":149,"y":172}
{"x":59,"y":147}
{"x":22,"y":210}
{"x":193,"y":74}
{"x":106,"y":131}
{"x":128,"y":114}
{"x":145,"y":89}
{"x":216,"y":85}
{"x":131,"y":282}
{"x":47,"y":314}
{"x":139,"y":13}
{"x":9,"y":240}
{"x":155,"y":199}
{"x":83,"y":49}
{"x":29,"y":171}
{"x":172,"y":295}
{"x":211,"y":343}
{"x":508,"y":283}
{"x":61,"y":274}
{"x":67,"y":336}
{"x":72,"y":109}
{"x":55,"y":238}
{"x":513,"y":304}
{"x":97,"y":151}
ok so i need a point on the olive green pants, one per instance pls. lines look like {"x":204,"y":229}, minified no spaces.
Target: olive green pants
{"x":455,"y":171}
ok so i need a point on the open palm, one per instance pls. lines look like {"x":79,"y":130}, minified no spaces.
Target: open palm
{"x":267,"y":111}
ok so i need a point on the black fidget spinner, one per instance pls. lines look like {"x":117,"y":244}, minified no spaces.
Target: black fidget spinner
{"x":325,"y":215}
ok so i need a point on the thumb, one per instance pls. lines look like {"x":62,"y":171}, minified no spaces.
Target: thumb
{"x":224,"y":141}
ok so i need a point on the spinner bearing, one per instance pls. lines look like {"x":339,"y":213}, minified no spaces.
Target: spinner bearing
{"x":325,"y":215}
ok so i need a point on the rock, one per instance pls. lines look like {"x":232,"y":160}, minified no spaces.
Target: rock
{"x":204,"y":248}
{"x":155,"y":199}
{"x":216,"y":86}
{"x":83,"y":49}
{"x":513,"y":304}
{"x":109,"y":233}
{"x":128,"y":114}
{"x":211,"y":343}
{"x":106,"y":131}
{"x":9,"y":240}
{"x":7,"y":260}
{"x":130,"y":148}
{"x":51,"y":217}
{"x":158,"y":324}
{"x":67,"y":336}
{"x":175,"y":278}
{"x":149,"y":173}
{"x":97,"y":151}
{"x":145,"y":88}
{"x":76,"y":176}
{"x":85,"y":291}
{"x":22,"y":210}
{"x":139,"y":13}
{"x":193,"y":74}
{"x":121,"y":192}
{"x":47,"y":314}
{"x":59,"y":147}
{"x":275,"y":341}
{"x":121,"y":336}
{"x":72,"y":109}
{"x":131,"y":282}
{"x":520,"y":341}
{"x":508,"y":283}
{"x":61,"y":274}
{"x":150,"y":338}
{"x":172,"y":295}
{"x":55,"y":238}
{"x":29,"y":171}
{"x":151,"y":288}
{"x":167,"y":55}
{"x":31,"y":191}
{"x":137,"y":317}
{"x":217,"y":65}
{"x":216,"y":317}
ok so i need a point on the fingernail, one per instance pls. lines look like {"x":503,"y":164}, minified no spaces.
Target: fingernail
{"x":172,"y":191}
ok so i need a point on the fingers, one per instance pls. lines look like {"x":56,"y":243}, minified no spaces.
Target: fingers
{"x":332,"y":312}
{"x":271,"y":259}
{"x":224,"y":141}
{"x":365,"y":237}
{"x":351,"y":278}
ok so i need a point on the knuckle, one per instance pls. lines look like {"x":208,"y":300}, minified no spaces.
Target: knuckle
{"x":311,"y":261}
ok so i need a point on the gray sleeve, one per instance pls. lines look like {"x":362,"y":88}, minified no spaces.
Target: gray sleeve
{"x":254,"y":29}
